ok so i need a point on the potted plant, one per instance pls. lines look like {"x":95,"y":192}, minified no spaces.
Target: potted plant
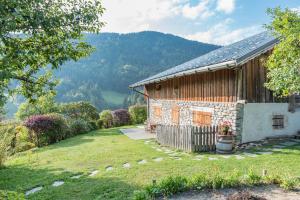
{"x":225,"y":138}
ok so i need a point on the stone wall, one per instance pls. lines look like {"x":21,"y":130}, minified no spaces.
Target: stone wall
{"x":232,"y":112}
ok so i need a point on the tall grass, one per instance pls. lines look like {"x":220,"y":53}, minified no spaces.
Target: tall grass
{"x":5,"y":143}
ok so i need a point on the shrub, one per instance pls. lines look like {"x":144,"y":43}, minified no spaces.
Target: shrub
{"x":288,"y":183}
{"x":43,"y":105}
{"x":10,"y":195}
{"x":79,"y":110}
{"x":23,"y":141}
{"x":252,"y":179}
{"x":107,"y":118}
{"x":5,"y":143}
{"x":47,"y":129}
{"x":120,"y":117}
{"x":141,"y":195}
{"x":79,"y":126}
{"x":99,"y":123}
{"x":138,"y":113}
{"x":173,"y":185}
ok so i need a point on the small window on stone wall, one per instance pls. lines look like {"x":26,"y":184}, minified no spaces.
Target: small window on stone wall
{"x":158,"y":87}
{"x":175,"y":115}
{"x":278,"y":121}
{"x":202,"y":118}
{"x":157,"y":111}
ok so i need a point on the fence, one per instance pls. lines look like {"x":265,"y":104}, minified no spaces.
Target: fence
{"x":188,"y":138}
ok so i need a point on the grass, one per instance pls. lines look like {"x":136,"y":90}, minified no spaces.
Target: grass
{"x":99,"y":149}
{"x":113,"y":97}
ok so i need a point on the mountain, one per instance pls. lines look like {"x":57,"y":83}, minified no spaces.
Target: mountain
{"x":122,"y":59}
{"x":119,"y":60}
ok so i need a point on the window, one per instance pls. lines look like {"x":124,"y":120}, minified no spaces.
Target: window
{"x":175,"y":114}
{"x":278,"y":121}
{"x":201,"y":118}
{"x":158,"y":87}
{"x":157,"y":111}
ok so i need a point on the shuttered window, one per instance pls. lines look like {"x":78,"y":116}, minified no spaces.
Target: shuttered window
{"x":157,"y":111}
{"x":175,"y":115}
{"x":278,"y":121}
{"x":202,"y":118}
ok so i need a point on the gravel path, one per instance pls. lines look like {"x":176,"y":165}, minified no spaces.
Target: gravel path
{"x":269,"y":192}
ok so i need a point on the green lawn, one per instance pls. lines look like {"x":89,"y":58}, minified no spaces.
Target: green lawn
{"x":99,"y":149}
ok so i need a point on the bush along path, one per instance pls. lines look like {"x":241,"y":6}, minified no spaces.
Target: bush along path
{"x":173,"y":185}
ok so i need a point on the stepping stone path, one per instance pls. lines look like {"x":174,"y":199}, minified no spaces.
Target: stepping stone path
{"x":77,"y":176}
{"x":109,"y":168}
{"x":158,"y":150}
{"x":126,"y":165}
{"x":33,"y":190}
{"x":197,"y":159}
{"x":158,"y":159}
{"x":239,"y":157}
{"x":173,"y":154}
{"x":168,"y":151}
{"x":94,"y":173}
{"x":141,"y":162}
{"x":213,"y":158}
{"x":58,"y":183}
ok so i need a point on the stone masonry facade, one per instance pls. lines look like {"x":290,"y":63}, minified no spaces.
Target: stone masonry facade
{"x":220,"y":112}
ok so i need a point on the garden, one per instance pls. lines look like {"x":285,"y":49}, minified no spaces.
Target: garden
{"x":105,"y":164}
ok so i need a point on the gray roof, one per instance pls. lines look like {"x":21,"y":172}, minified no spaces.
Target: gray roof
{"x":231,"y":55}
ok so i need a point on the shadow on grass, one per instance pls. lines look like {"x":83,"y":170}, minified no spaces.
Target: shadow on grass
{"x":20,"y":179}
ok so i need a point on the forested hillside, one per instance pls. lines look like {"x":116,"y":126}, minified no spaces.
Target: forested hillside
{"x":119,"y":60}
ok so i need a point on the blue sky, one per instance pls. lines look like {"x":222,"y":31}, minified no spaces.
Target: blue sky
{"x":212,"y":21}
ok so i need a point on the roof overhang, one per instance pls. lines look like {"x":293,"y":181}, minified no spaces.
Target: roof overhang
{"x":209,"y":68}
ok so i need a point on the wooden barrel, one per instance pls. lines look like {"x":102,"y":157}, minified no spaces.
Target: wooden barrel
{"x":224,"y":144}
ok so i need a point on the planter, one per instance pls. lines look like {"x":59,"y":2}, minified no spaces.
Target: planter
{"x":224,"y":144}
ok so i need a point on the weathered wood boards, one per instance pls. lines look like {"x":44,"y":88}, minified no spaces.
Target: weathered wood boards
{"x":246,"y":82}
{"x":187,"y":138}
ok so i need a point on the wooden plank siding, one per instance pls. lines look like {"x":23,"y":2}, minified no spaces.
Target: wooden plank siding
{"x":246,"y":82}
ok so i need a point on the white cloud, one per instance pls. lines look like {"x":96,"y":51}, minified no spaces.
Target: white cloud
{"x":137,"y":15}
{"x":226,"y":6}
{"x":201,"y":10}
{"x":221,"y":34}
{"x":296,"y":9}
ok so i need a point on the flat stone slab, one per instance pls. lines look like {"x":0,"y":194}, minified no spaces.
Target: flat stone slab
{"x":109,"y":168}
{"x":157,"y":149}
{"x":94,"y":173}
{"x":77,"y":176}
{"x":58,"y":183}
{"x":265,"y":152}
{"x":197,"y":159}
{"x":173,"y":154}
{"x":158,"y":159}
{"x":226,"y":156}
{"x":252,"y":155}
{"x":239,"y":157}
{"x":289,"y":143}
{"x":33,"y":190}
{"x":213,"y":158}
{"x":137,"y":133}
{"x":126,"y":165}
{"x":176,"y":158}
{"x":141,"y":162}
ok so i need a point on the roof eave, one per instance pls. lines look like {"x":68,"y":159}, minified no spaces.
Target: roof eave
{"x":214,"y":67}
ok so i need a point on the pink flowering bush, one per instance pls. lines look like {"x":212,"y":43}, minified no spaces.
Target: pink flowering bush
{"x":46,"y":129}
{"x":120,"y":117}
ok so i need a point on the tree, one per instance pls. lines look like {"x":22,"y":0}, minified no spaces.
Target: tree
{"x":38,"y":36}
{"x":284,"y":63}
{"x":79,"y":110}
{"x":43,"y":105}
